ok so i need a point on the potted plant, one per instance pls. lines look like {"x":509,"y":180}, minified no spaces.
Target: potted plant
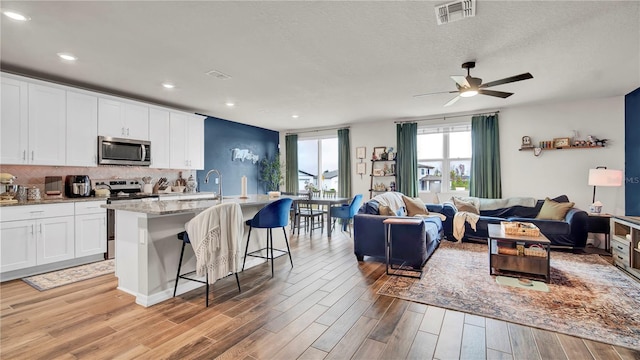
{"x":271,"y":173}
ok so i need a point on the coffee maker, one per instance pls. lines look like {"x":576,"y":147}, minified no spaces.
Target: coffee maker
{"x":77,"y":186}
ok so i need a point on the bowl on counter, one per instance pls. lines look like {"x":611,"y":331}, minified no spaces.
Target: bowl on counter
{"x":177,"y":189}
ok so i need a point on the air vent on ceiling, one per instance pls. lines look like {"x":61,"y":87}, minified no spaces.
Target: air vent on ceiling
{"x":218,"y":75}
{"x":455,"y":11}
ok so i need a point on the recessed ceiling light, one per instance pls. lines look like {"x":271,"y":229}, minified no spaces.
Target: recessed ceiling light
{"x":230,"y":104}
{"x":168,"y":85}
{"x":15,"y":16}
{"x":295,"y":116}
{"x":67,"y":56}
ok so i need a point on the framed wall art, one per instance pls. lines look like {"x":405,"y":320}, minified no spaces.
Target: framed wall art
{"x":361,"y":168}
{"x":361,"y":152}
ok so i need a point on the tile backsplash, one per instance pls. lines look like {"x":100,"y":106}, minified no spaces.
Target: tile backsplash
{"x":33,"y":175}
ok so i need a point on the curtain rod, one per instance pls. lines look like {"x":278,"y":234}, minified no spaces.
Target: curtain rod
{"x":317,"y":130}
{"x":447,"y":117}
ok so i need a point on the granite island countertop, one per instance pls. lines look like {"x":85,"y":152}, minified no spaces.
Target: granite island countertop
{"x":167,"y":207}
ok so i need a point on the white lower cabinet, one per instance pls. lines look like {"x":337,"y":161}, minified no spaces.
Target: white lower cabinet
{"x":34,"y":235}
{"x":91,"y":228}
{"x":17,"y":245}
{"x":54,"y":240}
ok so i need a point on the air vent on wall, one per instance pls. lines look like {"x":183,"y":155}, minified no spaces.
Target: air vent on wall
{"x":455,"y":11}
{"x":218,"y":75}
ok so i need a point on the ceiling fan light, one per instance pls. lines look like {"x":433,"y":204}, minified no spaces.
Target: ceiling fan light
{"x":469,"y":93}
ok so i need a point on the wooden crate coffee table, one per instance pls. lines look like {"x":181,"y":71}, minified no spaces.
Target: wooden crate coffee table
{"x":534,"y":266}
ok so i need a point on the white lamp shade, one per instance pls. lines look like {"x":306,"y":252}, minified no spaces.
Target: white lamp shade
{"x":605,"y":177}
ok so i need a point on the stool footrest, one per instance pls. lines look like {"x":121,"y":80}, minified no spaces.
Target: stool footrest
{"x":284,"y":252}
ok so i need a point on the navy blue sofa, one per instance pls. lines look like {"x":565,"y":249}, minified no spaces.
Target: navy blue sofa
{"x":412,"y":245}
{"x":569,"y":232}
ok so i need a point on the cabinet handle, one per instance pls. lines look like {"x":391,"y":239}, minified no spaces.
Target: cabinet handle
{"x":32,"y":228}
{"x":24,"y":154}
{"x":619,"y":247}
{"x":122,"y":131}
{"x":40,"y":229}
{"x":32,"y":151}
{"x":619,"y":257}
{"x":127,"y":131}
{"x":38,"y":211}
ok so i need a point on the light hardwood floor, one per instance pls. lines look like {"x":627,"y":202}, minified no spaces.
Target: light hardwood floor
{"x":326,"y":307}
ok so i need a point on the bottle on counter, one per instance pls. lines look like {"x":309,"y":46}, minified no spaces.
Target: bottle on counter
{"x":191,"y":184}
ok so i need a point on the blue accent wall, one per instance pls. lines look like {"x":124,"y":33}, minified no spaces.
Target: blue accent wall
{"x":632,"y":153}
{"x":220,"y":138}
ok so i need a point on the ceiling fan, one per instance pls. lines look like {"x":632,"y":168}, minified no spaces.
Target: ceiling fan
{"x":470,"y":86}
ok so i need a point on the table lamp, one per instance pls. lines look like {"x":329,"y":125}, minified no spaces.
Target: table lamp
{"x":601,"y":176}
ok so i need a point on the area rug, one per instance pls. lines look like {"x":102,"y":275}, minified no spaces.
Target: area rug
{"x":71,"y":275}
{"x":588,"y":297}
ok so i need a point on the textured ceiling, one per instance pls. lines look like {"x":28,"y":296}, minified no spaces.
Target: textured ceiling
{"x":332,"y":63}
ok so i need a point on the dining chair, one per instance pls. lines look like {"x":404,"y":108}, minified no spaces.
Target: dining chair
{"x":273,"y":215}
{"x":346,"y":212}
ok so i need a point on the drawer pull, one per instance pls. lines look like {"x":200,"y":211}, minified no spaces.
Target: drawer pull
{"x":38,"y":211}
{"x":620,"y":257}
{"x":619,"y":247}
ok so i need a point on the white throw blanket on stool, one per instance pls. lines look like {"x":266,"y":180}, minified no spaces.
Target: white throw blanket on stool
{"x":214,"y":235}
{"x":458,"y":223}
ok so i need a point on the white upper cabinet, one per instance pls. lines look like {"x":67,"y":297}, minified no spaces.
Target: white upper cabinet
{"x":47,"y":125}
{"x":187,"y":141}
{"x":82,"y":129}
{"x":123,"y":119}
{"x":33,"y":123}
{"x":14,"y":121}
{"x":159,"y":135}
{"x":195,"y":142}
{"x":178,"y":136}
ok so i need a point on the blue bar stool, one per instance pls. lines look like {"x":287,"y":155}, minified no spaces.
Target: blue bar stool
{"x":273,"y":215}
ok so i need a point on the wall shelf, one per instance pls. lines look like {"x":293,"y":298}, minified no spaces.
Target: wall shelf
{"x":564,"y":148}
{"x":380,"y":167}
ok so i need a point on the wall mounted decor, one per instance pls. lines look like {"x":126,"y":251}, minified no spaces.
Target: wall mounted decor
{"x":244,"y":154}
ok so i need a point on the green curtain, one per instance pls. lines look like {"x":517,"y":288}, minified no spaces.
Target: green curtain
{"x":291,"y":163}
{"x":485,"y":179}
{"x":407,"y":159}
{"x":344,"y":163}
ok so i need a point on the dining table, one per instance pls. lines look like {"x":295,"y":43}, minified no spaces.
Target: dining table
{"x":322,"y":201}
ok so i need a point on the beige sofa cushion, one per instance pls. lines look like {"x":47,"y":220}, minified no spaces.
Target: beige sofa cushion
{"x":552,"y":210}
{"x":414,"y":206}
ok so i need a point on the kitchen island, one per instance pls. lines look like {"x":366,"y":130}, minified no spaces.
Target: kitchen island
{"x":148,"y":251}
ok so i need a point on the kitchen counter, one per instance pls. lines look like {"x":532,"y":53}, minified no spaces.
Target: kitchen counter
{"x":55,"y":201}
{"x":45,"y":201}
{"x":166,"y":207}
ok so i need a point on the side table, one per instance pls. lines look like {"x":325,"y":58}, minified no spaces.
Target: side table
{"x":600,"y":224}
{"x":389,"y":245}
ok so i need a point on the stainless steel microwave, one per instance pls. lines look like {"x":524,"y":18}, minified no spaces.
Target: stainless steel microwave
{"x":116,"y":151}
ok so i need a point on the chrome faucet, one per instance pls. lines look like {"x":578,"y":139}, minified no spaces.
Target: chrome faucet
{"x":206,"y":180}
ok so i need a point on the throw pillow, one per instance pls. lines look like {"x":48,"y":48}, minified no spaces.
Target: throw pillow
{"x":386,"y":211}
{"x":414,"y":206}
{"x":465,"y":206}
{"x":552,"y":210}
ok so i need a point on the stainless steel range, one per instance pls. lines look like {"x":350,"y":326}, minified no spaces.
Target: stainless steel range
{"x":120,"y":190}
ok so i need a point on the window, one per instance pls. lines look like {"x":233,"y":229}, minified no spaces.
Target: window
{"x":318,"y":163}
{"x":444,"y":157}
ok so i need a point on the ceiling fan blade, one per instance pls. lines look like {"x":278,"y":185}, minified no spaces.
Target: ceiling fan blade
{"x":433,"y":93}
{"x":452,"y":101}
{"x":511,"y":79}
{"x":500,"y":94}
{"x":461,"y":80}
